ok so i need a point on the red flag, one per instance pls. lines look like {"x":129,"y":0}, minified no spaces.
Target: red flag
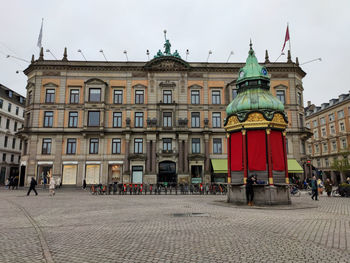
{"x":286,"y":38}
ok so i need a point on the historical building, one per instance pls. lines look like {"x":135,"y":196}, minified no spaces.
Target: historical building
{"x":11,"y":120}
{"x":330,"y":126}
{"x":154,"y":121}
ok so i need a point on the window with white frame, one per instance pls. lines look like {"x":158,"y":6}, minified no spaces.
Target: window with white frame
{"x":331,"y":117}
{"x":332,"y":129}
{"x":325,"y":147}
{"x":215,"y":97}
{"x":340,"y":114}
{"x":334,"y":145}
{"x":216,"y":119}
{"x":217,"y":145}
{"x":315,"y":133}
{"x":139,"y":97}
{"x":343,"y":143}
{"x":314,"y":123}
{"x":342,"y":126}
{"x":167,"y":96}
{"x":322,"y":120}
{"x":323,"y":132}
{"x":317,"y":148}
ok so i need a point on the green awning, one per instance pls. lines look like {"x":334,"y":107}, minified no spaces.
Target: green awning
{"x":294,"y":167}
{"x":219,"y":166}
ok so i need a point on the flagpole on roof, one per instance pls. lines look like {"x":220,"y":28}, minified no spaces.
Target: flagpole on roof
{"x":289,"y":38}
{"x":40,"y":34}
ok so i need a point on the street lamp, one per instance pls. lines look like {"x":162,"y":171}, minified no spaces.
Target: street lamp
{"x":147,"y":53}
{"x":282,"y":54}
{"x":187,"y":53}
{"x":231,"y":53}
{"x":209,"y":53}
{"x":126,"y":55}
{"x":48,"y":50}
{"x":81,"y":52}
{"x":10,"y":56}
{"x":101,"y":51}
{"x":316,"y":59}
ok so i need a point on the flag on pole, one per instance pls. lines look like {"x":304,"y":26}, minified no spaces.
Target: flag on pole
{"x":286,"y":38}
{"x":40,"y":34}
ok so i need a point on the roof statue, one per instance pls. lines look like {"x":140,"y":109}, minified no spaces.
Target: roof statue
{"x":167,"y":50}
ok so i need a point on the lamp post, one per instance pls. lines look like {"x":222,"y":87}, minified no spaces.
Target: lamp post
{"x":209,"y":53}
{"x":81,"y":52}
{"x":187,"y":53}
{"x":49,"y":51}
{"x":282,"y":54}
{"x":147,"y":53}
{"x":10,"y":56}
{"x":231,"y":53}
{"x":126,"y":55}
{"x":103,"y":54}
{"x":316,"y":59}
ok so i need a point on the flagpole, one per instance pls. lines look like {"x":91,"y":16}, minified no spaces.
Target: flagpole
{"x":289,"y":39}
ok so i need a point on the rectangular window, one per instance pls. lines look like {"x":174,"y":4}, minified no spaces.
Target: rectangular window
{"x":20,"y":145}
{"x":280,"y":94}
{"x":331,"y":117}
{"x":1,"y":103}
{"x":326,"y":161}
{"x":12,"y":158}
{"x":167,"y":97}
{"x":315,"y":134}
{"x":195,"y":97}
{"x":4,"y":157}
{"x":94,"y":146}
{"x":301,"y":120}
{"x":46,"y":148}
{"x":10,"y":93}
{"x":340,"y":114}
{"x":215,"y":97}
{"x":6,"y":141}
{"x":318,"y":163}
{"x":216,"y":119}
{"x":15,"y":126}
{"x":8,"y":124}
{"x":94,"y":118}
{"x":332,"y":129}
{"x":48,"y":119}
{"x":314,"y":123}
{"x":300,"y":101}
{"x":323,"y":131}
{"x":138,"y":119}
{"x":167,"y":144}
{"x":13,"y":143}
{"x":234,"y":93}
{"x":30,"y":96}
{"x":73,"y":119}
{"x":139,"y":96}
{"x":322,"y":120}
{"x":310,"y":149}
{"x":317,"y":148}
{"x":116,"y":146}
{"x":325,"y":147}
{"x":117,"y":119}
{"x":195,"y":119}
{"x":94,"y":95}
{"x":344,"y":144}
{"x":74,"y":96}
{"x":118,"y":96}
{"x":17,"y":111}
{"x":9,"y":107}
{"x":342,"y":126}
{"x":167,"y":119}
{"x":334,"y":145}
{"x":50,"y":96}
{"x":138,"y":146}
{"x":196,"y":145}
{"x":71,"y":146}
{"x":217,"y":146}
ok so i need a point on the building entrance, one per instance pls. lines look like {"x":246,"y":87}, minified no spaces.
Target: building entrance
{"x":167,"y":172}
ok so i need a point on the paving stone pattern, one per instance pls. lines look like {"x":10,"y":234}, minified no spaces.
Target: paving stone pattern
{"x":74,"y":226}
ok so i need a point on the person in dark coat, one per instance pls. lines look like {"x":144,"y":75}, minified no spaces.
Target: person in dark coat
{"x":328,"y":187}
{"x":33,"y":183}
{"x":250,"y":190}
{"x":314,"y":188}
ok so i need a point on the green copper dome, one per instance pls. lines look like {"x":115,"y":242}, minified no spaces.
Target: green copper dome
{"x":253,"y":91}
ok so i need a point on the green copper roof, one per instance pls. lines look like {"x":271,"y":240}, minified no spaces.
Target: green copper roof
{"x":253,"y":90}
{"x":252,"y":69}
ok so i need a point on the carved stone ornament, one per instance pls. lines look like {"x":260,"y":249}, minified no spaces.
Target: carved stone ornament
{"x":167,"y":63}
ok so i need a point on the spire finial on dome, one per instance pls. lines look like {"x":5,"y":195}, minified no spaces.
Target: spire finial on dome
{"x":267,"y":56}
{"x":251,"y":45}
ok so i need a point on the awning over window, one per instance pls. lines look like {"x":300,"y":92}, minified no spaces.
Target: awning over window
{"x":219,"y":166}
{"x":294,"y":167}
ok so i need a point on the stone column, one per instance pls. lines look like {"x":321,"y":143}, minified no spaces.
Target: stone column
{"x":57,"y":164}
{"x":126,"y":157}
{"x":269,"y":156}
{"x":154,"y":150}
{"x":186,"y":157}
{"x":148,"y":156}
{"x":181,"y":157}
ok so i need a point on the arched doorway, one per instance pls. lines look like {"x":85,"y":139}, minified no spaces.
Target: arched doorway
{"x":167,"y":172}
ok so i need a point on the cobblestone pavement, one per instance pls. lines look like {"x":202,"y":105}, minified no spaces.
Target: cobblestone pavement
{"x":74,"y":226}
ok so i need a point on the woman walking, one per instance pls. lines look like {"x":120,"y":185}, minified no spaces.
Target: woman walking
{"x":328,"y":187}
{"x":52,"y":187}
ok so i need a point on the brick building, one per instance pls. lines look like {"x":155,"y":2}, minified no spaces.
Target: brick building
{"x":154,"y":121}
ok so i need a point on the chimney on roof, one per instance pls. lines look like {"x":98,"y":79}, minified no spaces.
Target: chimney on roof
{"x":309,"y":103}
{"x":297,"y":61}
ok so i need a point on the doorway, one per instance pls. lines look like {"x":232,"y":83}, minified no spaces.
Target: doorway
{"x":167,"y":172}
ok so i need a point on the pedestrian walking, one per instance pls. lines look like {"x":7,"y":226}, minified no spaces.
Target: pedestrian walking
{"x":33,"y":183}
{"x":250,"y":190}
{"x":7,"y":184}
{"x":44,"y":181}
{"x":84,"y":184}
{"x":314,"y":188}
{"x":328,"y":187}
{"x":52,"y":186}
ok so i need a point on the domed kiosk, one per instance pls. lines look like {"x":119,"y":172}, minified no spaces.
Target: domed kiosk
{"x":255,"y":126}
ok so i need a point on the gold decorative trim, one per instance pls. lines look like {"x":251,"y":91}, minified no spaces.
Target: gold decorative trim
{"x":270,"y":180}
{"x":256,"y":120}
{"x":287,"y":180}
{"x":228,"y":180}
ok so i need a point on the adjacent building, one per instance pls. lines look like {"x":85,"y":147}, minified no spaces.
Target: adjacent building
{"x":11,"y":120}
{"x":141,"y":122}
{"x":331,"y":133}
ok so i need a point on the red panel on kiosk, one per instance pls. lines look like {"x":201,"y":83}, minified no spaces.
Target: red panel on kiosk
{"x":277,"y":151}
{"x":256,"y":150}
{"x":236,"y":151}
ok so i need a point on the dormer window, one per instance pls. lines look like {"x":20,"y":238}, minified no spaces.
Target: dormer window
{"x":10,"y":93}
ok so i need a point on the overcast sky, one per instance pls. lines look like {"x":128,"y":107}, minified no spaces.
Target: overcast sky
{"x":318,"y":28}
